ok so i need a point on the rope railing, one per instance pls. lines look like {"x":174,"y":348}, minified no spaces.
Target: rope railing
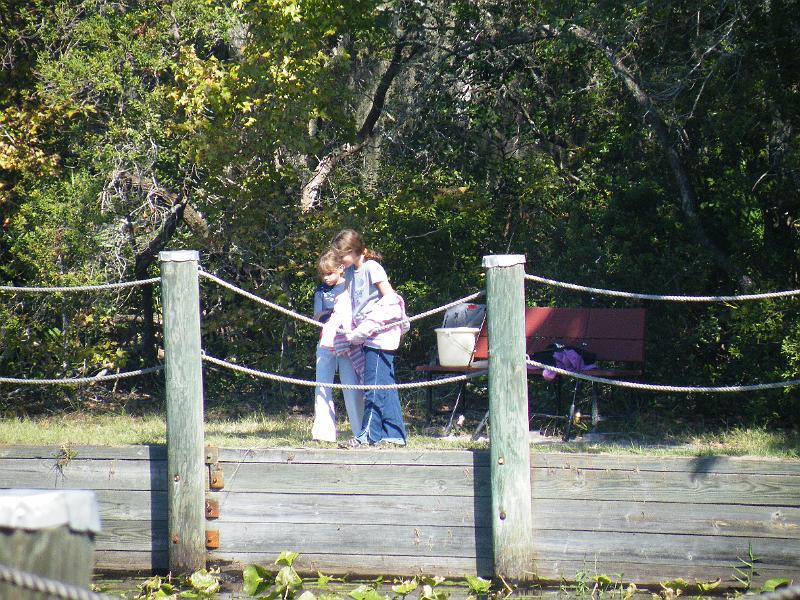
{"x":80,"y":288}
{"x":664,"y":388}
{"x":258,"y":299}
{"x":671,"y":298}
{"x":52,"y":587}
{"x":81,"y":380}
{"x":295,"y":315}
{"x":338,"y":386}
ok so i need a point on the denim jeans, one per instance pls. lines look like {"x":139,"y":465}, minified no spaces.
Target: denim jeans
{"x":324,"y":428}
{"x":383,"y":416}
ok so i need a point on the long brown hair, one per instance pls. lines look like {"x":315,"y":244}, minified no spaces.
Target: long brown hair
{"x":349,"y":241}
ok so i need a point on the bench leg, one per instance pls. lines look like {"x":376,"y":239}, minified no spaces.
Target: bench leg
{"x":571,"y":414}
{"x":429,"y":393}
{"x":595,"y":407}
{"x":480,"y":427}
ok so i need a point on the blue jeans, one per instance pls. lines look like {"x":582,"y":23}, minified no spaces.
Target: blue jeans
{"x":328,"y":363}
{"x":383,"y":416}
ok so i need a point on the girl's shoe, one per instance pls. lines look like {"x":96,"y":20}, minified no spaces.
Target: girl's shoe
{"x":351,"y":443}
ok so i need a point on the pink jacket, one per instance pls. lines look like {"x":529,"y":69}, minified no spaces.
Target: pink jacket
{"x":370,"y":331}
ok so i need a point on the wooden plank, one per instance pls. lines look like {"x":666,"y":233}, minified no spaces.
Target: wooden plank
{"x":331,"y":509}
{"x":616,"y":323}
{"x":135,"y":536}
{"x":666,"y":518}
{"x":545,"y":321}
{"x":550,"y":571}
{"x":384,"y":456}
{"x":565,"y":514}
{"x":340,"y":564}
{"x":704,"y":488}
{"x":630,"y":462}
{"x":660,"y":464}
{"x":357,"y":479}
{"x":142,"y":452}
{"x":83,"y":474}
{"x":144,"y":505}
{"x":609,"y":485}
{"x":366,"y":539}
{"x":675,"y":549}
{"x":130,"y":561}
{"x":650,"y":573}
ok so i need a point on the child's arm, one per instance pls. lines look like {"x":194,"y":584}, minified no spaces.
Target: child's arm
{"x":385,"y":288}
{"x":341,"y":318}
{"x":318,"y":311}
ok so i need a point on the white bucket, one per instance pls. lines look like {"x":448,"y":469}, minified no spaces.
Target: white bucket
{"x":456,"y":345}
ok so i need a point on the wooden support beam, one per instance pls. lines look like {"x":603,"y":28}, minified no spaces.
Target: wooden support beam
{"x":512,"y":538}
{"x":184,"y":389}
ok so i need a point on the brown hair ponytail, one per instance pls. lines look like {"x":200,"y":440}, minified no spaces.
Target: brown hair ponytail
{"x":349,"y":241}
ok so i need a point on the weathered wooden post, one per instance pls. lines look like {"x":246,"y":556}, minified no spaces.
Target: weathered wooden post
{"x":512,"y":536}
{"x":180,"y":292}
{"x":49,"y":533}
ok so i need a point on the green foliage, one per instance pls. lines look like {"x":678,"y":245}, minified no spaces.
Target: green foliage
{"x":478,"y":586}
{"x":504,"y":132}
{"x":745,"y":570}
{"x":200,"y":584}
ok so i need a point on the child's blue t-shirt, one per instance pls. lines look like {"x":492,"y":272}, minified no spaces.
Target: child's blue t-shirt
{"x":324,"y":298}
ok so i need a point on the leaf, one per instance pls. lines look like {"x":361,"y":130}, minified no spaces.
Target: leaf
{"x":675,"y":584}
{"x":478,"y":585}
{"x":307,"y":595}
{"x":603,"y":580}
{"x":322,"y":581}
{"x":255,"y":579}
{"x":406,"y":587}
{"x":204,"y":582}
{"x":365,"y":592}
{"x":707,"y":586}
{"x":286,"y":558}
{"x":770,"y":585}
{"x":287,"y":579}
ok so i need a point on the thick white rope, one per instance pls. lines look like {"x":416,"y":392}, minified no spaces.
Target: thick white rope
{"x":593,"y":290}
{"x":259,"y":300}
{"x":311,"y":321}
{"x":51,"y":587}
{"x":81,"y":380}
{"x":445,"y":307}
{"x":428,"y":313}
{"x":338,"y":386}
{"x":665,"y":388}
{"x":81,"y":288}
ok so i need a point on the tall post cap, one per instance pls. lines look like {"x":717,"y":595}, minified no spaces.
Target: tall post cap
{"x":503,"y":260}
{"x":179,"y":256}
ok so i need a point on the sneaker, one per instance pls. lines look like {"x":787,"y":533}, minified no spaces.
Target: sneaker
{"x":351,"y":443}
{"x":392,"y":442}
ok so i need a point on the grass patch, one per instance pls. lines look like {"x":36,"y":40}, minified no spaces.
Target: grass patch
{"x":263,"y":430}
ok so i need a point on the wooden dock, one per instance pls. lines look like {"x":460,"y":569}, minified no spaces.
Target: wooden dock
{"x":401,"y":512}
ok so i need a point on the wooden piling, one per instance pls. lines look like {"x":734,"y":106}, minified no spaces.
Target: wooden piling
{"x":50,"y":534}
{"x":184,"y":391}
{"x":512,"y":537}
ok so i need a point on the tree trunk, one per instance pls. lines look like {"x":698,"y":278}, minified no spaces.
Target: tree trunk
{"x":685,"y":189}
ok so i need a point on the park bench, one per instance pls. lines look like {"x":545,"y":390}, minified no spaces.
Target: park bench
{"x":614,"y":335}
